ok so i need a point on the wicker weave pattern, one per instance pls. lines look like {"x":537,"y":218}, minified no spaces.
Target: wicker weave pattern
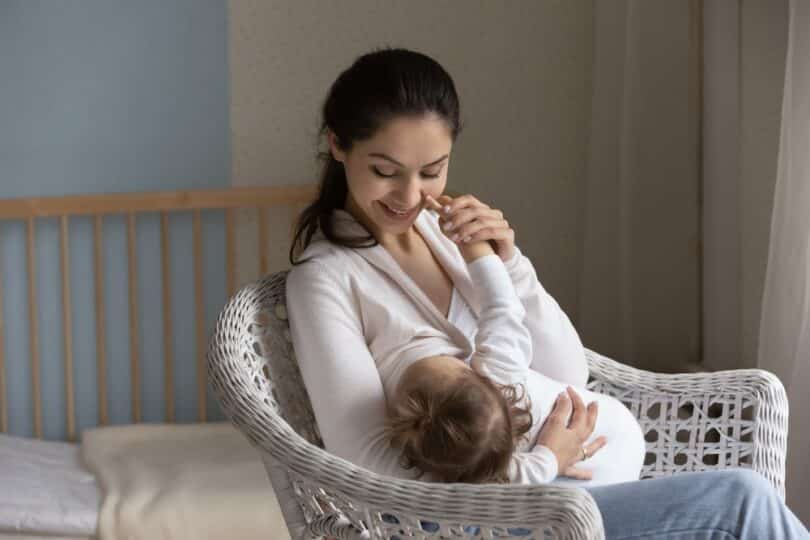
{"x":702,"y":421}
{"x":253,"y":372}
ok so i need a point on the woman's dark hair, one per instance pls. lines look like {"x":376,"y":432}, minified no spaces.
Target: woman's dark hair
{"x":466,"y":431}
{"x":378,"y":87}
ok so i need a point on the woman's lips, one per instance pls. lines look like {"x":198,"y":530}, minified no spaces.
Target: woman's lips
{"x":396,"y":213}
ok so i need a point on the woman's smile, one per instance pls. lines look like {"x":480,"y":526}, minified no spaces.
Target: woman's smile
{"x":397,"y":213}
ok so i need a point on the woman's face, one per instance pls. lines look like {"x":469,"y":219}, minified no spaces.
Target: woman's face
{"x":390,"y":173}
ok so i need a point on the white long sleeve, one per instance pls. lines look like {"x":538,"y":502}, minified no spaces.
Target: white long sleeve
{"x":503,"y":352}
{"x":557,"y":351}
{"x":338,"y":370}
{"x":503,"y":344}
{"x":538,"y":466}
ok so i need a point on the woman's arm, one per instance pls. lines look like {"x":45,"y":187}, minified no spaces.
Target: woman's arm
{"x":338,"y":370}
{"x":558,"y":352}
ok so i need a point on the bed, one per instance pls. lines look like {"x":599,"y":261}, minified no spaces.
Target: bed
{"x":162,"y":469}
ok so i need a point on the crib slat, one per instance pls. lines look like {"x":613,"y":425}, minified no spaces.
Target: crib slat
{"x":199,"y":311}
{"x":101,"y":359}
{"x":3,"y":389}
{"x":67,"y":328}
{"x":230,"y":251}
{"x":135,"y":375}
{"x":33,"y":321}
{"x":168,"y":360}
{"x":263,"y":261}
{"x":63,"y":208}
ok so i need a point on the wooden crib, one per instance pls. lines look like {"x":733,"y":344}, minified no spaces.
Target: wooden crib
{"x":255,"y":225}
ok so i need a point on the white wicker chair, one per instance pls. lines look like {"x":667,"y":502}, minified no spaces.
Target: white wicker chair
{"x":693,"y":422}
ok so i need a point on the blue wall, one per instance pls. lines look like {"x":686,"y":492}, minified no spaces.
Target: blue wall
{"x":109,"y":96}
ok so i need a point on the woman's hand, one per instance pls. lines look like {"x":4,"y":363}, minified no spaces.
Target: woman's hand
{"x":471,"y":250}
{"x":466,"y":219}
{"x":566,"y":438}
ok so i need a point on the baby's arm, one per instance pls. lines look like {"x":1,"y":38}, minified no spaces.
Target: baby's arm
{"x":475,"y":250}
{"x":503,"y":349}
{"x":503,"y":344}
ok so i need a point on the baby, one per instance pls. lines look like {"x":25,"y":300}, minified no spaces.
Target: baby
{"x":479,"y":423}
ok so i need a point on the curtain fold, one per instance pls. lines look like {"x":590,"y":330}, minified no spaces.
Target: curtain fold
{"x":784,"y":339}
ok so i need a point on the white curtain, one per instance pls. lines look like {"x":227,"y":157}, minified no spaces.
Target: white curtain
{"x":784,"y":340}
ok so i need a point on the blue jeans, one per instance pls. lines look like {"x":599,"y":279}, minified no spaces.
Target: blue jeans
{"x":712,"y":505}
{"x":731,"y":504}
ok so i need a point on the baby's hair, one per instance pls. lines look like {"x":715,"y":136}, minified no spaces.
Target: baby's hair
{"x":462,"y":431}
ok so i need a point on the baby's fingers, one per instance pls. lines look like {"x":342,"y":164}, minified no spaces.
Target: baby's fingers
{"x":445,"y":201}
{"x":432,"y":203}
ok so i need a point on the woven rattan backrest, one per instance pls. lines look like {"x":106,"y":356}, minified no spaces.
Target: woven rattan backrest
{"x":266,"y":348}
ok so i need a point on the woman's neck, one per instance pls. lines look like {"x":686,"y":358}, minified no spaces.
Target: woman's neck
{"x":395,"y":243}
{"x":401,"y":243}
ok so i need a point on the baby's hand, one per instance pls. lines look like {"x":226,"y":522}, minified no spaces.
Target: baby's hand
{"x":469,"y":250}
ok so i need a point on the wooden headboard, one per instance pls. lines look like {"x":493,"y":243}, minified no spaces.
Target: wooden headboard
{"x":262,"y":200}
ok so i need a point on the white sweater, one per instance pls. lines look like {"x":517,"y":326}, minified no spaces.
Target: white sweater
{"x":357,"y":321}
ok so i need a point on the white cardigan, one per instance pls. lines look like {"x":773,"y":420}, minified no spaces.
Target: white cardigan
{"x":353,"y":310}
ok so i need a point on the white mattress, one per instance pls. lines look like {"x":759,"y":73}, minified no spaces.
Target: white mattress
{"x":44,"y":490}
{"x":33,"y":536}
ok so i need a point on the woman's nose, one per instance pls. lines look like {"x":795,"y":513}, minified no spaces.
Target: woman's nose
{"x":412,"y":193}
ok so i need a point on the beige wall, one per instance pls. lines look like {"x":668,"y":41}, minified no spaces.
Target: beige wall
{"x":523,"y":71}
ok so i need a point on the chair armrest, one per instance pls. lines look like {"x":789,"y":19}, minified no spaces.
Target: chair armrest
{"x":702,"y":421}
{"x":343,"y":500}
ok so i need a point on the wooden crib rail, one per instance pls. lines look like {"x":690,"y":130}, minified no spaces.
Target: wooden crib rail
{"x":29,"y":210}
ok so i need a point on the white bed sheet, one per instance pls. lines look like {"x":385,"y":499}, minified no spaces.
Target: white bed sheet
{"x":45,"y":490}
{"x":26,"y":536}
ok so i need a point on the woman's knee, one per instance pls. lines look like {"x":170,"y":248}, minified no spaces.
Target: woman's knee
{"x":744,"y":488}
{"x":748,"y":481}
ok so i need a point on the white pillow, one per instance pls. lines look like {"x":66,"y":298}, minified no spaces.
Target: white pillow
{"x":45,"y":489}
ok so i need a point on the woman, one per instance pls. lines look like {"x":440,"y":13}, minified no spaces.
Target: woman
{"x":373,"y":273}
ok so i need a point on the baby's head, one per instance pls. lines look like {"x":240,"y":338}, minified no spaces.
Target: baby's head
{"x":455,"y":424}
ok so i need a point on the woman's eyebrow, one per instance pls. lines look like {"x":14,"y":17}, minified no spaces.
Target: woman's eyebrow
{"x":389,"y":158}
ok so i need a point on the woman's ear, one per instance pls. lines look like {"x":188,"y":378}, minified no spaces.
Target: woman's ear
{"x":337,"y":153}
